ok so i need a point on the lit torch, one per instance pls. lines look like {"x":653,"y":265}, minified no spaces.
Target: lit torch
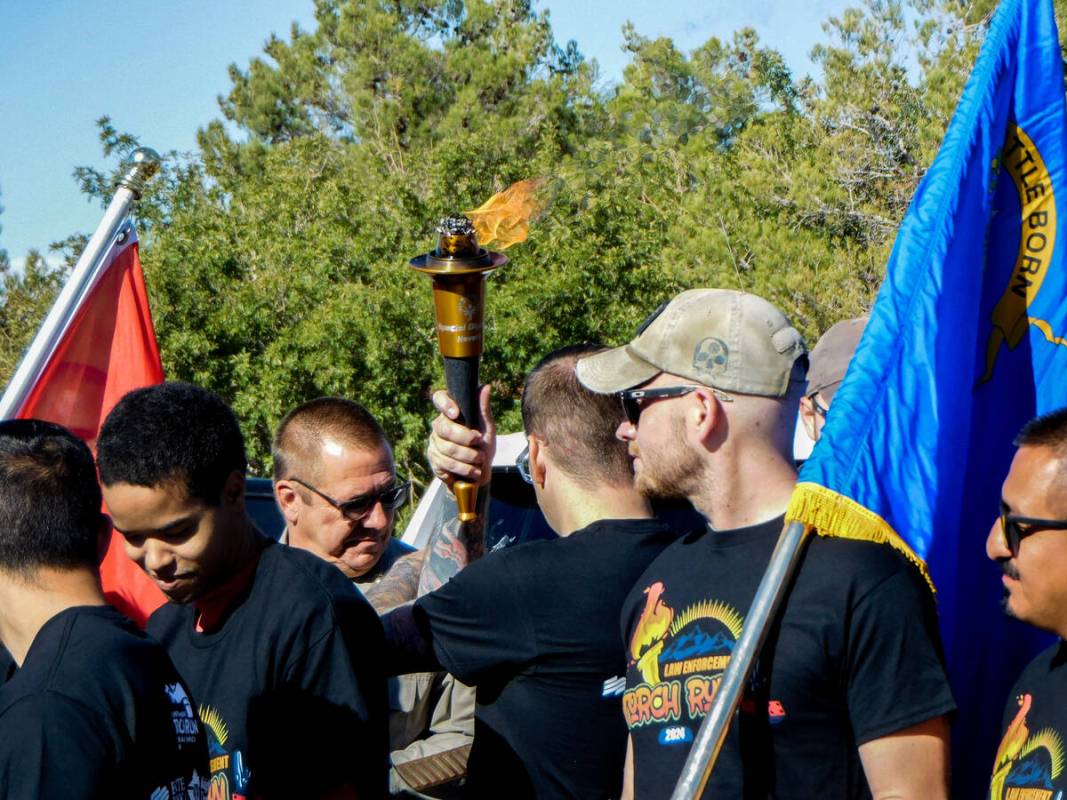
{"x":459,"y":266}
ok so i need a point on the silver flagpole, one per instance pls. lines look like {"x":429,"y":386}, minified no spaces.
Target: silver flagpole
{"x":142,"y":165}
{"x":705,"y":751}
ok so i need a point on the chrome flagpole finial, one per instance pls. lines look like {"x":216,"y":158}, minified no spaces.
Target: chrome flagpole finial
{"x":142,"y":164}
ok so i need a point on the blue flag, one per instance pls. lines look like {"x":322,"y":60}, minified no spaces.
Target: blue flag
{"x":966,"y":342}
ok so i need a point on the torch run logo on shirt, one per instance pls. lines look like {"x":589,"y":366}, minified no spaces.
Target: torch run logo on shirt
{"x":1027,"y":763}
{"x":681,"y":658}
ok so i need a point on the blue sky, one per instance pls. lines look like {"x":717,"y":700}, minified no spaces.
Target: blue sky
{"x":156,"y":68}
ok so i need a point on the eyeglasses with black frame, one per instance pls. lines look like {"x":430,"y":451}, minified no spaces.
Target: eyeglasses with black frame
{"x":522,"y":464}
{"x":633,"y":400}
{"x":359,"y":507}
{"x":1015,"y":528}
{"x":820,"y":409}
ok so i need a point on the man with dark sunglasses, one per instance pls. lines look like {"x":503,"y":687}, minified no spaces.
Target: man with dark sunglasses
{"x":337,"y":487}
{"x":336,"y":484}
{"x":849,"y":696}
{"x":1029,"y":541}
{"x":280,"y":652}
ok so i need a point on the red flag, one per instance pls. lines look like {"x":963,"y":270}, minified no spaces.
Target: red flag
{"x":108,"y":349}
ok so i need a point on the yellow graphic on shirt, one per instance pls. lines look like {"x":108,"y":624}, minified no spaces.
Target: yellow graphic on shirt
{"x":218,"y":734}
{"x":1026,"y":766}
{"x":649,"y":633}
{"x":680,"y":661}
{"x":705,"y":609}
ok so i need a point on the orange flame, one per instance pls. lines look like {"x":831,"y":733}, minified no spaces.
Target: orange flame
{"x":504,"y":219}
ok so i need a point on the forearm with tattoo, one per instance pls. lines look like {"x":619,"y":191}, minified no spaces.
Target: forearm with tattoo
{"x":454,"y":546}
{"x":398,"y":585}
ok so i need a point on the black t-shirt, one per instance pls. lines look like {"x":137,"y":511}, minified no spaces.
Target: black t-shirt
{"x":291,"y":693}
{"x":7,"y":665}
{"x":855,"y":656}
{"x":1030,"y":763}
{"x":534,"y":628}
{"x":98,"y":711}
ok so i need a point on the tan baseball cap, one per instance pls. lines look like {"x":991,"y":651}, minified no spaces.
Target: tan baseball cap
{"x":728,"y":340}
{"x":830,"y":357}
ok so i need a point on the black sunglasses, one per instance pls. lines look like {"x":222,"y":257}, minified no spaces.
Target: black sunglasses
{"x":522,"y":464}
{"x":633,"y":399}
{"x":1015,"y":528}
{"x":358,"y":507}
{"x":820,"y":409}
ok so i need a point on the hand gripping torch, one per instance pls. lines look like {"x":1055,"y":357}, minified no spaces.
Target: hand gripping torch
{"x":459,"y":268}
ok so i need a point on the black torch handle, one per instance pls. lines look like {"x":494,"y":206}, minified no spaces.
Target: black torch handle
{"x":461,"y":377}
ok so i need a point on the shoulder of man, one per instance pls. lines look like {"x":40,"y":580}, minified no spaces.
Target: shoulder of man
{"x":861,"y":566}
{"x":1045,"y":666}
{"x":54,"y":715}
{"x":302,"y":586}
{"x":90,"y":647}
{"x":677,"y":548}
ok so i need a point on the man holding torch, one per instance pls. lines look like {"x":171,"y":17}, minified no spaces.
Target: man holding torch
{"x":534,"y":628}
{"x":849,"y":690}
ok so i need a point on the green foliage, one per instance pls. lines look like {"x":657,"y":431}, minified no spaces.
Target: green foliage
{"x":25,"y":298}
{"x":276,"y":254}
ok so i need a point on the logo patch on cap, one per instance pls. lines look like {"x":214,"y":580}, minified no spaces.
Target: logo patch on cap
{"x":710,"y":356}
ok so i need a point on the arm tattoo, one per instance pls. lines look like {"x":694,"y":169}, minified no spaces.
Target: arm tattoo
{"x":454,"y":546}
{"x":398,"y":585}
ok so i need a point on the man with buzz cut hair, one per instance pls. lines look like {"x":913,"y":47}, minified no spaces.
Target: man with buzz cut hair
{"x":532,"y":628}
{"x":1029,"y":541}
{"x":336,"y":484}
{"x":280,"y":651}
{"x":95,"y":708}
{"x":331,"y":448}
{"x":849,"y":694}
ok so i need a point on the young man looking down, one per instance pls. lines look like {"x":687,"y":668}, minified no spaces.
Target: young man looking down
{"x":280,"y":651}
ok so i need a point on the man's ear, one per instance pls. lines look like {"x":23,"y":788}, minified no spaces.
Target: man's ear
{"x":287,"y":499}
{"x":537,"y":461}
{"x":103,"y":538}
{"x":234,"y":489}
{"x":703,"y":416}
{"x":807,"y":416}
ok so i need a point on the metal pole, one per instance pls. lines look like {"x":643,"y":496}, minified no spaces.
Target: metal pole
{"x":143,"y":164}
{"x":713,"y":730}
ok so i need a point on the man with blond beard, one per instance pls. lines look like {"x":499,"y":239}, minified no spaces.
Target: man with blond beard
{"x":849,"y":693}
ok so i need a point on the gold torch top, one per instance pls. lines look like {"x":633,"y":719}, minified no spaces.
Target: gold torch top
{"x":457,"y":251}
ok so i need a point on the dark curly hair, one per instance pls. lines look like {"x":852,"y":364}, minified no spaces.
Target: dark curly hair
{"x":172,"y":432}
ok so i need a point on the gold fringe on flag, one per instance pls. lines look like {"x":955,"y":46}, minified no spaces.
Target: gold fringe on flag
{"x":831,"y":514}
